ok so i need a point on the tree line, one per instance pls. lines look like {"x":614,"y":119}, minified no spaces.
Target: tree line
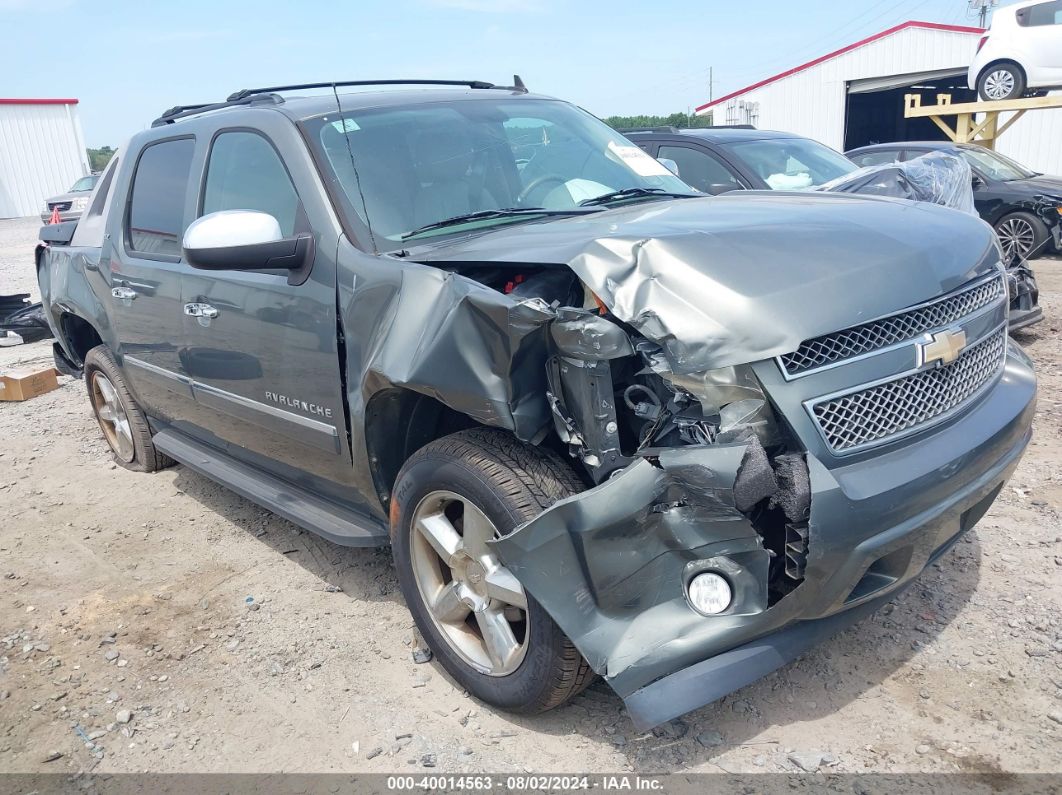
{"x":680,"y":120}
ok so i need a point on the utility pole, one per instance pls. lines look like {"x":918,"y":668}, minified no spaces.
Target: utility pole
{"x":981,"y":8}
{"x":711,"y":84}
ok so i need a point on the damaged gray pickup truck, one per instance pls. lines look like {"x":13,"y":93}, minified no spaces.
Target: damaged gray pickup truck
{"x":608,"y":424}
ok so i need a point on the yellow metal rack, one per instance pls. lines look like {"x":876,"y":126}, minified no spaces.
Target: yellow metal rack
{"x":968,"y":129}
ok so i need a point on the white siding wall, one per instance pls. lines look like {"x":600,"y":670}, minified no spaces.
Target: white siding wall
{"x":812,"y":102}
{"x":1035,"y":141}
{"x":42,"y":153}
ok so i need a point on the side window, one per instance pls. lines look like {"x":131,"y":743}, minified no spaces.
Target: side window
{"x":703,"y":171}
{"x":156,"y":219}
{"x":1041,"y":14}
{"x":245,"y":173}
{"x":876,"y":158}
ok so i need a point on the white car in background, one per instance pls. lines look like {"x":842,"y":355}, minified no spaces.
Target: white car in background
{"x":1021,"y":53}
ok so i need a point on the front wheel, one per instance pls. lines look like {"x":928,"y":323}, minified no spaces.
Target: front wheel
{"x":451,"y":497}
{"x":1001,"y":81}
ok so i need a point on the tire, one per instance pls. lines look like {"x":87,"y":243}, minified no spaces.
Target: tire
{"x":508,"y":483}
{"x":123,"y":424}
{"x":1020,"y":234}
{"x":1001,"y":81}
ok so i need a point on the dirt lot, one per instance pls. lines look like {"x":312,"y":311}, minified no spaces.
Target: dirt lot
{"x":161,"y":623}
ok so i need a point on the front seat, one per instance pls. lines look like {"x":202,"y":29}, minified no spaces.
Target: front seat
{"x":450,"y":176}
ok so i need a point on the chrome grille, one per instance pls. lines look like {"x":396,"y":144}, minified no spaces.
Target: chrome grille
{"x":878,"y":334}
{"x":849,"y":422}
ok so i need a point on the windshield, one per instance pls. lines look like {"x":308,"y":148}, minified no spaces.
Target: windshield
{"x":995,"y":166}
{"x":404,"y":169}
{"x":792,"y":163}
{"x":84,"y":184}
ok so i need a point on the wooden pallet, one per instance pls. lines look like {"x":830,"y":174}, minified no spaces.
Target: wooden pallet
{"x":968,"y":129}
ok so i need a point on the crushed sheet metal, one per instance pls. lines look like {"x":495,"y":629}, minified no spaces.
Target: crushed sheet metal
{"x":699,"y":276}
{"x":471,"y":348}
{"x":609,"y":564}
{"x":439,"y":334}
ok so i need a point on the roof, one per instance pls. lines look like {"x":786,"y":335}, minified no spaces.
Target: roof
{"x":933,"y":145}
{"x":830,"y":55}
{"x":4,"y":101}
{"x":302,"y":107}
{"x":718,"y":135}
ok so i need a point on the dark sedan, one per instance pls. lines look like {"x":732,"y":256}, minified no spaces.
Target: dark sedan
{"x":1024,"y":207}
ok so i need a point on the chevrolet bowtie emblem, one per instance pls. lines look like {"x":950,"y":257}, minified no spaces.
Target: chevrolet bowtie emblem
{"x":943,"y":348}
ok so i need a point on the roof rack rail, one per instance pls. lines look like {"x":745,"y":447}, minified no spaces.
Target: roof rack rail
{"x":182,"y":111}
{"x":518,"y":85}
{"x":665,"y":128}
{"x":247,"y":96}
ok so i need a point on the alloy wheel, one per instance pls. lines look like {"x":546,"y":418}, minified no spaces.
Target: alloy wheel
{"x":999,"y":84}
{"x":1017,"y":237}
{"x":476,"y":604}
{"x":110,"y":411}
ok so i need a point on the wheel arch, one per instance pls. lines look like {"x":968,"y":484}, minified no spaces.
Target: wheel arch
{"x":79,"y":335}
{"x":999,"y":62}
{"x":398,"y":422}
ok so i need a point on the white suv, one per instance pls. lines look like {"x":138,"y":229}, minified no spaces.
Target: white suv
{"x":1021,"y":53}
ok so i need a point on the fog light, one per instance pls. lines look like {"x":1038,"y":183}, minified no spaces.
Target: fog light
{"x":709,"y":593}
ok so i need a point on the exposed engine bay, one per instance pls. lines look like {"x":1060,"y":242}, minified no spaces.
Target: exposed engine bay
{"x":615,"y":400}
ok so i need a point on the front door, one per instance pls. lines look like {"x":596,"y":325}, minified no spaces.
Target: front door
{"x":701,"y":169}
{"x":142,"y":250}
{"x":262,"y":353}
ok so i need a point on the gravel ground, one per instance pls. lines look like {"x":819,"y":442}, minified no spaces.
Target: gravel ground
{"x":161,"y":623}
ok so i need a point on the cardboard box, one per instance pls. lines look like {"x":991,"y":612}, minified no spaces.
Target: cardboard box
{"x":27,"y":383}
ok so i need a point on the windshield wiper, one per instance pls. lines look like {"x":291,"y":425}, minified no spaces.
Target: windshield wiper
{"x":486,"y":215}
{"x":605,"y":198}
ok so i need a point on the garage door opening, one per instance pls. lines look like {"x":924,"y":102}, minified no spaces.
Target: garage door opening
{"x":874,"y":112}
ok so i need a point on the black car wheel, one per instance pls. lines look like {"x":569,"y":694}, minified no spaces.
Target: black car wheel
{"x":1001,"y":81}
{"x":450,"y":499}
{"x":1022,"y":235}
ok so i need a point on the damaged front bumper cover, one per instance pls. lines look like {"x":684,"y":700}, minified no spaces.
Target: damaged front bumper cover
{"x":611,"y":564}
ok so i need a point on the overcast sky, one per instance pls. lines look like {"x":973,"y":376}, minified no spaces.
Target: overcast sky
{"x":127,"y":62}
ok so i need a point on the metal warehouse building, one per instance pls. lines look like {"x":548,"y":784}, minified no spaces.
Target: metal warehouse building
{"x":855,"y":95}
{"x":42,"y":152}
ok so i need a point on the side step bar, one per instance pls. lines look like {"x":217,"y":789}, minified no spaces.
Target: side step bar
{"x":338,"y":524}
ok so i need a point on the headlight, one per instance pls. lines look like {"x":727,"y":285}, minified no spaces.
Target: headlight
{"x":735,"y":397}
{"x":79,"y":203}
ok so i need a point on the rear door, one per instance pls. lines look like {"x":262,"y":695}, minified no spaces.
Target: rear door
{"x":142,"y":249}
{"x":263,"y":353}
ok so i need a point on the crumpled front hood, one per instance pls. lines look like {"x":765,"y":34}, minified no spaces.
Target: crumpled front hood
{"x":748,"y":276}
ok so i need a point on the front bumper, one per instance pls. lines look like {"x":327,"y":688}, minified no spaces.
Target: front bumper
{"x":610,"y":564}
{"x":1024,"y":307}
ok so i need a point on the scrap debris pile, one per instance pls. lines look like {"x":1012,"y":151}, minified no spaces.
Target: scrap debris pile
{"x":21,"y":321}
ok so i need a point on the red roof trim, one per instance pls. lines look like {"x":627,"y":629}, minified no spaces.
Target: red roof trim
{"x":842,"y":51}
{"x":38,"y":101}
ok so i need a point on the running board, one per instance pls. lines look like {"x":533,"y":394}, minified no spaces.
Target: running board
{"x":338,"y":524}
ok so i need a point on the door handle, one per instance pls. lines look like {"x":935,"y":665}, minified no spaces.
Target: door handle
{"x":123,"y":293}
{"x":200,"y":310}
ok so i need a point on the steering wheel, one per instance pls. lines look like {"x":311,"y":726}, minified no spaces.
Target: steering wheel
{"x":536,"y":183}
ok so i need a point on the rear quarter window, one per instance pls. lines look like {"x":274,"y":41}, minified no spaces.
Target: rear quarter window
{"x":156,"y":218}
